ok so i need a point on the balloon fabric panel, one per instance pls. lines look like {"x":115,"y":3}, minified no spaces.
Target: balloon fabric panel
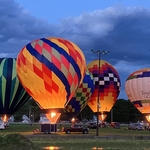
{"x":12,"y":94}
{"x":53,"y":70}
{"x":108,"y":81}
{"x":137,"y":89}
{"x":81,"y":97}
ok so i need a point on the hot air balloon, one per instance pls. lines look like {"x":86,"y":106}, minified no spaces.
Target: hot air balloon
{"x":51,"y":69}
{"x":81,"y":97}
{"x":108,"y":81}
{"x":12,"y":93}
{"x":137,"y":87}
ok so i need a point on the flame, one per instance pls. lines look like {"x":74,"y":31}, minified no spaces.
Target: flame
{"x":102,"y":117}
{"x":148,"y":118}
{"x":53,"y":114}
{"x":4,"y":118}
{"x":73,"y":120}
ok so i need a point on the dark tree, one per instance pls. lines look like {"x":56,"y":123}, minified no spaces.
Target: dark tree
{"x":125,"y":111}
{"x":86,"y":114}
{"x":29,"y":108}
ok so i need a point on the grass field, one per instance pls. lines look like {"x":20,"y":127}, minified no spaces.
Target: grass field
{"x":109,"y":138}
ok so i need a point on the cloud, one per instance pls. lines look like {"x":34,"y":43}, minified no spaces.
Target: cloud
{"x":123,"y":31}
{"x":124,"y":69}
{"x":17,"y":27}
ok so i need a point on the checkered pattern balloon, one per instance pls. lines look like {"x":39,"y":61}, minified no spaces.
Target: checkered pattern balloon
{"x":137,"y":87}
{"x":108,"y":81}
{"x":12,"y":93}
{"x":81,"y":97}
{"x":50,"y":70}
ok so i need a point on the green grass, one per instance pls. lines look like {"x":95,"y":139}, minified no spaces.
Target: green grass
{"x":26,"y":129}
{"x":78,"y":141}
{"x":16,"y":142}
{"x":88,"y":144}
{"x":20,"y":128}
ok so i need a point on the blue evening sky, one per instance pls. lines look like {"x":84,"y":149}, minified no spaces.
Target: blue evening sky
{"x":120,"y":26}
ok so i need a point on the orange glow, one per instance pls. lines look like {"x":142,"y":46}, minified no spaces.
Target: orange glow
{"x":97,"y":148}
{"x":102,"y":117}
{"x":53,"y":117}
{"x":73,"y":120}
{"x":53,"y":114}
{"x":5,"y":118}
{"x":51,"y":148}
{"x":148,"y":118}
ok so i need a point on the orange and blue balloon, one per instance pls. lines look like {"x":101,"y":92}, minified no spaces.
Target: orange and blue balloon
{"x":51,"y":69}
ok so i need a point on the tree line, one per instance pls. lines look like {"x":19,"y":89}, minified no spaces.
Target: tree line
{"x":123,"y":111}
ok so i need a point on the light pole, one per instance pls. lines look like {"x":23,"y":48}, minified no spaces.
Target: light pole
{"x":98,"y":99}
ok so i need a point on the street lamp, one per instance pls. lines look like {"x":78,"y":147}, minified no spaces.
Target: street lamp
{"x":98,"y":99}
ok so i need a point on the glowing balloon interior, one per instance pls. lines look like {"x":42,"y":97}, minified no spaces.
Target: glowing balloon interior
{"x":53,"y":117}
{"x":109,"y":85}
{"x":137,"y":88}
{"x":5,"y":117}
{"x":12,"y":93}
{"x":148,"y":118}
{"x":81,"y":97}
{"x":51,"y":69}
{"x":102,"y":117}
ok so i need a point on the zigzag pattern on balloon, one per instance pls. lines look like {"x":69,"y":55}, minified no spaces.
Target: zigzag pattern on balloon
{"x":82,"y":95}
{"x":56,"y":64}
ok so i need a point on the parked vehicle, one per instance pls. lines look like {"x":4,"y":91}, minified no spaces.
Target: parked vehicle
{"x":115,"y":125}
{"x":136,"y":126}
{"x":75,"y":128}
{"x":94,"y":125}
{"x":6,"y":124}
{"x":48,"y":128}
{"x":2,"y":125}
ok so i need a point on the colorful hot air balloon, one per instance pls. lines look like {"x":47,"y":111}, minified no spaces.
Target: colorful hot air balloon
{"x":81,"y":97}
{"x":109,"y":85}
{"x":137,"y":87}
{"x":12,"y":93}
{"x":51,"y":69}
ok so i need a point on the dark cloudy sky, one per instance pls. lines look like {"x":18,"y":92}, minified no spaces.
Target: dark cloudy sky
{"x":120,"y":26}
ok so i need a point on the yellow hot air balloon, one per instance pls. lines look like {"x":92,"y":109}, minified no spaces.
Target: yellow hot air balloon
{"x":51,"y":69}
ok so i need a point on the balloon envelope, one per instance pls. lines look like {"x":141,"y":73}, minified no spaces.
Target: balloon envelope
{"x":108,"y":81}
{"x":137,"y":87}
{"x":50,"y":70}
{"x":12,"y":93}
{"x":81,"y":97}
